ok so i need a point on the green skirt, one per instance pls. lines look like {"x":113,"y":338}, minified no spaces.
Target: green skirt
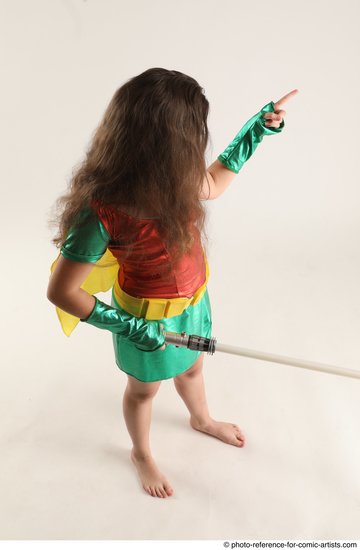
{"x":163,"y":364}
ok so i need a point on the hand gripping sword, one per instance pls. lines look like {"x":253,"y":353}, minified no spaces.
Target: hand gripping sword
{"x":210,"y":345}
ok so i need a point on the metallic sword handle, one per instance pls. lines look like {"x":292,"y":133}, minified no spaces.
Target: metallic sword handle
{"x":180,"y":340}
{"x":194,"y":342}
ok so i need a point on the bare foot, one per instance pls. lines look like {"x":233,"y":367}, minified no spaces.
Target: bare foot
{"x":227,"y":432}
{"x":152,"y":479}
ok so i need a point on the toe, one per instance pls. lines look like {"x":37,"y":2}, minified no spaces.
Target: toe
{"x":168,"y":489}
{"x":158,"y":492}
{"x":163,"y":489}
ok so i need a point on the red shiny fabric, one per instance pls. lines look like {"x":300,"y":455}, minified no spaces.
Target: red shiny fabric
{"x":142,"y":272}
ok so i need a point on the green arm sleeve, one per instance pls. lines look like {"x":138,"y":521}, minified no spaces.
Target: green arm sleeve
{"x":247,"y":139}
{"x":147,"y":335}
{"x":86,"y":242}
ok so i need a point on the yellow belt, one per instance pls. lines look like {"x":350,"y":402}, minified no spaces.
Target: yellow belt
{"x":157,"y":308}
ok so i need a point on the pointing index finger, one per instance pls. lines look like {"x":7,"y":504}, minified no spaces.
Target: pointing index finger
{"x":285,"y":98}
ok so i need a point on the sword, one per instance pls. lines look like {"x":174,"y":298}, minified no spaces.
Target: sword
{"x":210,"y":345}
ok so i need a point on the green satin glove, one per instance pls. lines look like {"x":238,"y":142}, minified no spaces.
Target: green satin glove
{"x":147,"y":335}
{"x":245,"y":142}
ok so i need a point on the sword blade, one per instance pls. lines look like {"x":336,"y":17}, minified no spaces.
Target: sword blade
{"x":292,"y":361}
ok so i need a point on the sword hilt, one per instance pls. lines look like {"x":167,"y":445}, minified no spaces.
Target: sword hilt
{"x":193,"y":342}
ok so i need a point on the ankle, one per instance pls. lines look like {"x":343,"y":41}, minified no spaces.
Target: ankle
{"x":140,"y":454}
{"x":202,"y":421}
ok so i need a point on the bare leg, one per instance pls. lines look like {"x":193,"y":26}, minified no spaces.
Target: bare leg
{"x":190,"y":387}
{"x":137,"y":404}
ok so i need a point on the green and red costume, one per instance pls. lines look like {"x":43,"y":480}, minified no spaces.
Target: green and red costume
{"x":141,"y":272}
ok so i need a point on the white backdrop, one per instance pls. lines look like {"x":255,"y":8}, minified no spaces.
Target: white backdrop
{"x":285,"y":270}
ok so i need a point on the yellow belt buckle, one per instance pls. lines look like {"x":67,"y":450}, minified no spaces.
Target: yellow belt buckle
{"x":131,"y":306}
{"x":177,"y":307}
{"x":155,"y":308}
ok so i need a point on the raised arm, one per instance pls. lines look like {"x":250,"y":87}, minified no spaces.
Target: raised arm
{"x":269,"y":120}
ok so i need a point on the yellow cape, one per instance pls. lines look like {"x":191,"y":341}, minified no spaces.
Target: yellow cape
{"x":98,"y":280}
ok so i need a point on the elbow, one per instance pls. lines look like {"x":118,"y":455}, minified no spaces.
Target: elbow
{"x":62,"y":297}
{"x":215,"y":193}
{"x":51,"y":295}
{"x":54,"y":294}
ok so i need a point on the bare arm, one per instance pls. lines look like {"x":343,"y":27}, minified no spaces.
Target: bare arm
{"x":218,"y":179}
{"x":64,"y":291}
{"x":64,"y":287}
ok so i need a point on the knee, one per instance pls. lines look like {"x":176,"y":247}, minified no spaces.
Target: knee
{"x":141,"y":392}
{"x":190,"y":373}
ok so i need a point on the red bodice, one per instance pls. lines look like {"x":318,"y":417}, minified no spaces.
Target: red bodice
{"x":142,"y":272}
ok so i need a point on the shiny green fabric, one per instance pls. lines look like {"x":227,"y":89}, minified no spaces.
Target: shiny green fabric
{"x":167,"y":363}
{"x":247,"y":139}
{"x":144,"y":334}
{"x":87,"y":241}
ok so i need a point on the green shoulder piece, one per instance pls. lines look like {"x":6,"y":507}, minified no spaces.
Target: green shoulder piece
{"x":87,"y":240}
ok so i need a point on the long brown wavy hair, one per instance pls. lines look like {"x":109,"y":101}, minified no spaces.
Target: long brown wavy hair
{"x":148,"y":152}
